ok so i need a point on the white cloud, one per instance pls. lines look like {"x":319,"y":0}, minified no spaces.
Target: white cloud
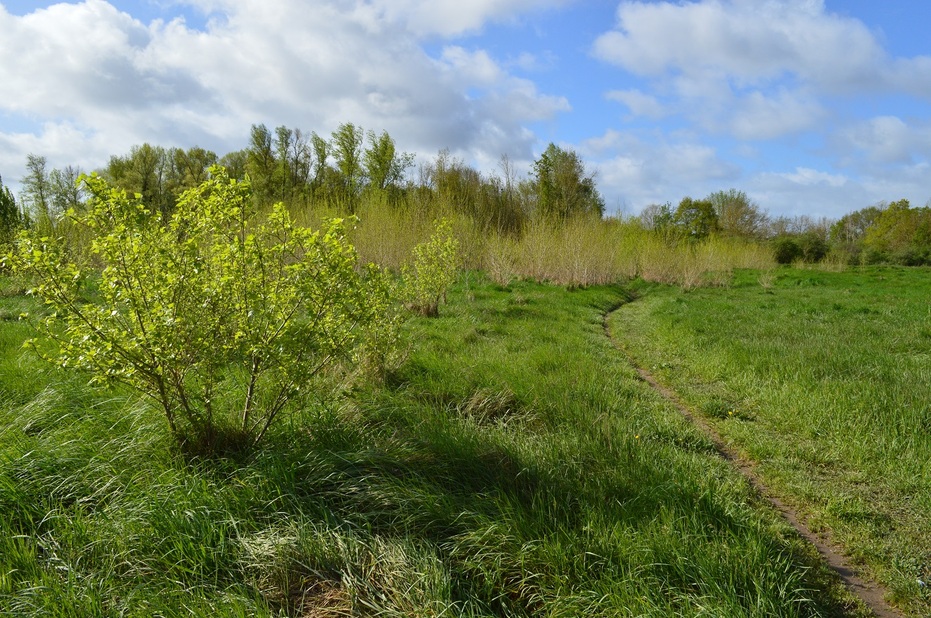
{"x":884,"y":140}
{"x":639,"y":103}
{"x":755,"y":69}
{"x":66,"y":143}
{"x":748,"y":40}
{"x":808,"y":177}
{"x":118,"y":81}
{"x":758,"y":117}
{"x":476,"y":68}
{"x":637,"y":172}
{"x":528,"y":62}
{"x":455,"y":17}
{"x":819,"y":193}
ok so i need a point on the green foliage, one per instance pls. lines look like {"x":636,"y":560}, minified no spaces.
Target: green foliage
{"x":852,"y":227}
{"x":809,"y":246}
{"x":190,"y":168}
{"x":346,"y":147}
{"x":737,"y":214}
{"x":383,"y":165}
{"x":433,"y":270}
{"x":260,"y":163}
{"x":695,"y":218}
{"x":223,"y":320}
{"x":145,"y":171}
{"x":37,"y":193}
{"x":657,"y":217}
{"x":66,"y":190}
{"x":813,"y":246}
{"x":786,"y":249}
{"x":11,"y":219}
{"x":494,"y":204}
{"x":899,"y":234}
{"x":562,"y":187}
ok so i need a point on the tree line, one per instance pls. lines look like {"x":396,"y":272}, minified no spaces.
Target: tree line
{"x":895,"y":233}
{"x":338,"y":173}
{"x":352,"y":167}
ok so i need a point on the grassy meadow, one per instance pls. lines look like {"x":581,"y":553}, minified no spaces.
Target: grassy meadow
{"x":512,"y":465}
{"x":824,"y":378}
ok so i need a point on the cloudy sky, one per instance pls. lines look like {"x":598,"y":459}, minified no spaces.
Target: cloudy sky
{"x":815,"y":107}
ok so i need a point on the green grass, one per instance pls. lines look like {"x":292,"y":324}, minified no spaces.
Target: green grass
{"x":513,"y":466}
{"x":825,"y":379}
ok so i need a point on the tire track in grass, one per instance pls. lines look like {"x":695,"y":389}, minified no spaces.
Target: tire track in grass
{"x":870,"y":593}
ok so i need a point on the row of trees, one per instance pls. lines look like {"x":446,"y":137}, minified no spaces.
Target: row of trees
{"x":883,"y":233}
{"x":895,"y":232}
{"x":338,"y":173}
{"x":729,"y":213}
{"x":352,"y":167}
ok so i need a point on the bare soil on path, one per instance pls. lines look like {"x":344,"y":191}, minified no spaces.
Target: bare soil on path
{"x":871,"y":593}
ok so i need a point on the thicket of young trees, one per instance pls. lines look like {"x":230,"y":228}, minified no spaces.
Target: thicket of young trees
{"x":353,"y":167}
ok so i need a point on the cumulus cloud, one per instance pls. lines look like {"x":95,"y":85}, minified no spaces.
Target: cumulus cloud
{"x":639,"y":103}
{"x":751,"y":41}
{"x":757,"y":116}
{"x":755,"y":69}
{"x":635,"y":172}
{"x":807,"y":177}
{"x":109,"y":78}
{"x":883,"y":141}
{"x":455,"y":17}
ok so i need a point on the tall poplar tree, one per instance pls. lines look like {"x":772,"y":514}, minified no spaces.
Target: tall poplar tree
{"x":11,"y":220}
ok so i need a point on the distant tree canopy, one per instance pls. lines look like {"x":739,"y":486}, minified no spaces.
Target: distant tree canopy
{"x":337,"y":173}
{"x":695,"y":218}
{"x":562,"y":187}
{"x":656,"y":216}
{"x":737,"y":214}
{"x":901,"y":234}
{"x":37,"y":190}
{"x":352,"y":167}
{"x":852,"y":227}
{"x":298,"y":168}
{"x":384,"y":167}
{"x":159,"y":175}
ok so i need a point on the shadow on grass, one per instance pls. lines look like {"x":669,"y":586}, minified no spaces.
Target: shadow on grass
{"x":515,"y":526}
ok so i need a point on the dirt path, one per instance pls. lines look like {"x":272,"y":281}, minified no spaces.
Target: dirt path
{"x":870,"y":593}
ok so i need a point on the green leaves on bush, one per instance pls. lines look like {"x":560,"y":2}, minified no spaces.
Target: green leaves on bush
{"x":433,"y":270}
{"x":221,"y":318}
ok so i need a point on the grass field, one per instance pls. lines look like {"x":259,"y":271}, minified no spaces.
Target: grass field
{"x":514,"y":465}
{"x":825,"y":379}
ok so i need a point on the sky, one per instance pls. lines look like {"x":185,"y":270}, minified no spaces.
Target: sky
{"x":811,"y":107}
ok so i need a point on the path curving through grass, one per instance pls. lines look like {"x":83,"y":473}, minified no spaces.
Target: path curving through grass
{"x":817,"y":383}
{"x":872,"y":594}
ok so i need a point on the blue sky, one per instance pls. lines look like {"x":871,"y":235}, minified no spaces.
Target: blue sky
{"x":813,"y":107}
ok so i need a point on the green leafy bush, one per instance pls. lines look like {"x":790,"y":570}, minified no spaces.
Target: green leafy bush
{"x":786,"y":250}
{"x":219,"y":317}
{"x":813,"y":247}
{"x":434,"y":268}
